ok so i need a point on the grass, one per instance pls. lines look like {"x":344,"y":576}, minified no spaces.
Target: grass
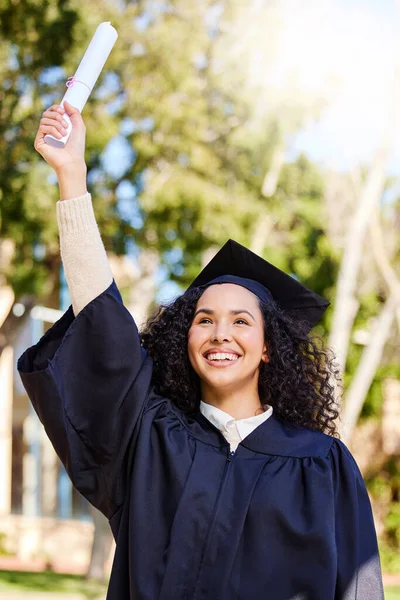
{"x":47,"y":581}
{"x":17,"y":581}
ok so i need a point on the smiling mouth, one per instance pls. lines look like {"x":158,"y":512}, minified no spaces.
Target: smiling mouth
{"x":219,"y":359}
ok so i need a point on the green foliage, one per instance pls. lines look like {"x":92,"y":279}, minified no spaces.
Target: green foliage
{"x":390,"y":558}
{"x":372,"y":407}
{"x":304,"y":248}
{"x":33,"y":37}
{"x":47,"y":581}
{"x":300,"y":198}
{"x":392,"y":524}
{"x":384,"y":487}
{"x":3,"y":545}
{"x":195,"y":175}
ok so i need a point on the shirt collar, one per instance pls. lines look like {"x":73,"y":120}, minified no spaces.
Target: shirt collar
{"x":221,"y":419}
{"x":246,"y":426}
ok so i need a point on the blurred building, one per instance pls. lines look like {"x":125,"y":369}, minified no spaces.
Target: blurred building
{"x":44,"y":521}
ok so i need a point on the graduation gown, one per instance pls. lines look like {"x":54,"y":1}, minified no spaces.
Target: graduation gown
{"x":286,"y":517}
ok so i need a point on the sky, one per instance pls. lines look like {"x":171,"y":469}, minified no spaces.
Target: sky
{"x":355,"y":45}
{"x":341,"y":51}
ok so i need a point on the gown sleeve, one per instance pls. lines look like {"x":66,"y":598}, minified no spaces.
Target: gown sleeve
{"x":88,"y":379}
{"x":359,"y":574}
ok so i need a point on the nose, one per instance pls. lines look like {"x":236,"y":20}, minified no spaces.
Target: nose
{"x":221,"y":334}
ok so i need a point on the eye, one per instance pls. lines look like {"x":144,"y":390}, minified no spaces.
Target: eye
{"x":241,"y":321}
{"x":204,"y":320}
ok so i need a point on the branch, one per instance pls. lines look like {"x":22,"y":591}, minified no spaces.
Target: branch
{"x":372,"y":354}
{"x":367,"y":367}
{"x":272,"y":175}
{"x":382,"y":258}
{"x":346,"y":304}
{"x":262,"y":231}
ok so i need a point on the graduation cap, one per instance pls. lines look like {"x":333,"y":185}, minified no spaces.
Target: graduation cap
{"x":236,"y":264}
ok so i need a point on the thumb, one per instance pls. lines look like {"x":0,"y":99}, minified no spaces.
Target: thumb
{"x":73,"y":114}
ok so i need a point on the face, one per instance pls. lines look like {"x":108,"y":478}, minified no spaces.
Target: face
{"x":226,"y":338}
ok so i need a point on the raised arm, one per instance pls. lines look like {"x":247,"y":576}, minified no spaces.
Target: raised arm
{"x":88,"y":377}
{"x":84,"y":258}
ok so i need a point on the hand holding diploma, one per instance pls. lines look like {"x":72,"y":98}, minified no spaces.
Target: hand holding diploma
{"x":81,"y":84}
{"x":62,"y":123}
{"x":52,"y":123}
{"x":69,"y":162}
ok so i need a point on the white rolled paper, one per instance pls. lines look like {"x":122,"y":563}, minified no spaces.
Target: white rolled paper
{"x":81,"y":84}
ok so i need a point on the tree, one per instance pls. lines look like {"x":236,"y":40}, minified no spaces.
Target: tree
{"x":354,"y":260}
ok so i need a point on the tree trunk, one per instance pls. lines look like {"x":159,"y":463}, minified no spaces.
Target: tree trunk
{"x":7,"y":298}
{"x":261,"y":233}
{"x":101,"y":547}
{"x":144,"y":289}
{"x":370,"y":359}
{"x":382,"y":259}
{"x":271,"y":178}
{"x":346,"y":304}
{"x":367,"y":367}
{"x":14,"y":321}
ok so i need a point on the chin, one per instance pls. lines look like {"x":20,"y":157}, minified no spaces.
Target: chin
{"x":222,"y":381}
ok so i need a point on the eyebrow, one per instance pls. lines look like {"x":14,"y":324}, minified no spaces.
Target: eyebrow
{"x":208,"y":311}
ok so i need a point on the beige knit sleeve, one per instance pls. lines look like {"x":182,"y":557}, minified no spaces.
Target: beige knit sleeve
{"x":86,"y":266}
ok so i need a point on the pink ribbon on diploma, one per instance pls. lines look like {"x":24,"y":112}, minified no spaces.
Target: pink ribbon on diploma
{"x":72,"y":80}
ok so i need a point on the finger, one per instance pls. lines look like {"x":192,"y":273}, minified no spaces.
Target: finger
{"x":57,"y":108}
{"x":75,"y":115}
{"x":60,"y":125}
{"x":45,"y":129}
{"x":71,"y":110}
{"x":52,"y":114}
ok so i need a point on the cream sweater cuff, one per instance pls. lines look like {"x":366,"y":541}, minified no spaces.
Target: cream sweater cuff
{"x":83,"y":255}
{"x":76,"y":214}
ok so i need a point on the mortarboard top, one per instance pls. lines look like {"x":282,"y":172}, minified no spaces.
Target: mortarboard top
{"x":235,"y":261}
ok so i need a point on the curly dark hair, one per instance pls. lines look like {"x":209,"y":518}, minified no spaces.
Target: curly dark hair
{"x":298,"y":381}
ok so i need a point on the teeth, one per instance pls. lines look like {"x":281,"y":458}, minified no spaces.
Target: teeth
{"x":222,"y":356}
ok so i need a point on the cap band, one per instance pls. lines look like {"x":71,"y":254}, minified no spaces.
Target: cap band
{"x":253,"y":286}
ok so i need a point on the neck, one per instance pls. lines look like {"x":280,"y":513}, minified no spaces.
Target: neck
{"x":239,"y":404}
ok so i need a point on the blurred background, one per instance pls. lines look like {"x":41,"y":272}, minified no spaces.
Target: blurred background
{"x":273,"y":122}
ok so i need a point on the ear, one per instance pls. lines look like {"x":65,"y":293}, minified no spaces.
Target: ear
{"x":264,"y":356}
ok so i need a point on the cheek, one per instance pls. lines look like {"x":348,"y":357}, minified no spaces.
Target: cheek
{"x":189,"y":341}
{"x":253,"y":340}
{"x":194,"y":344}
{"x":195,"y":340}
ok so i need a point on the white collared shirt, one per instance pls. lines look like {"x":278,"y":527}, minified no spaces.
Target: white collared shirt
{"x":233,"y":431}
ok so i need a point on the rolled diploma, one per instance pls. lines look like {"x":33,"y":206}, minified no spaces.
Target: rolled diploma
{"x":86,"y":75}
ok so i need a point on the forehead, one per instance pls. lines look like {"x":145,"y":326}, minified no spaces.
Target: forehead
{"x":228,"y":295}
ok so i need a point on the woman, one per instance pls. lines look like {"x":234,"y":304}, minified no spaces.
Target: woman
{"x":206,"y":440}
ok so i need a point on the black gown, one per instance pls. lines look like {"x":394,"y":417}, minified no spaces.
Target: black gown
{"x":286,"y":517}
